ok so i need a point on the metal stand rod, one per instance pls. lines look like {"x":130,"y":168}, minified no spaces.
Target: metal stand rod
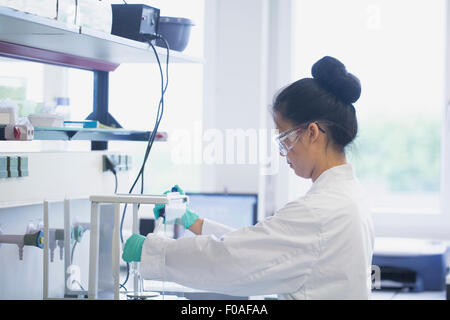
{"x":94,"y":251}
{"x":136,"y":278}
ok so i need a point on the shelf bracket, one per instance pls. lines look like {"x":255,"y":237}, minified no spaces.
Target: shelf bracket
{"x":101,"y":110}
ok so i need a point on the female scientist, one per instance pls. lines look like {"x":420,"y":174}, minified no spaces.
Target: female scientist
{"x":316,"y":247}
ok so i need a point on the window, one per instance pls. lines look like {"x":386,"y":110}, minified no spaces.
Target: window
{"x":34,"y":86}
{"x":397,"y":49}
{"x":21,"y":82}
{"x":135,"y":93}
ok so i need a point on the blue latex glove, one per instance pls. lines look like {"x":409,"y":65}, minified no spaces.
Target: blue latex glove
{"x":133,"y":248}
{"x":187,"y":219}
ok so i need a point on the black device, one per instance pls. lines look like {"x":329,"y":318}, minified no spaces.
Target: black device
{"x":135,"y":21}
{"x":146,"y":226}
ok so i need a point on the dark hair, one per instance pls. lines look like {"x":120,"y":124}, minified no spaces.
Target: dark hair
{"x":327,"y":97}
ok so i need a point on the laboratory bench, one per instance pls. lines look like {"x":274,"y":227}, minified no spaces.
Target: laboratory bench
{"x":175,"y":291}
{"x":405,"y":295}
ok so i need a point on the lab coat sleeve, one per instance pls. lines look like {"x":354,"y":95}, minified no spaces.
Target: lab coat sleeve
{"x":273,"y":257}
{"x":214,"y":228}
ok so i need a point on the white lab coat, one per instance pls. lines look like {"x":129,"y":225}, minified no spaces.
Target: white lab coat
{"x":316,"y":247}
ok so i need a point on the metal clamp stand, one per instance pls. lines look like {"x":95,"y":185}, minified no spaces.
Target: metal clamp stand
{"x":68,"y":292}
{"x":117,"y":200}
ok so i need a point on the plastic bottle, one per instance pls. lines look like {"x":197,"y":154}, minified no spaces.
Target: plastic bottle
{"x":63,"y":108}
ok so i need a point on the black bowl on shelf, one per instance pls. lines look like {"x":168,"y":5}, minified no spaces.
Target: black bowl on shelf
{"x":176,"y":31}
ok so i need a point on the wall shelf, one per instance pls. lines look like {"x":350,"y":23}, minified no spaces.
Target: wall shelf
{"x":69,"y":134}
{"x":30,"y":37}
{"x":82,"y":47}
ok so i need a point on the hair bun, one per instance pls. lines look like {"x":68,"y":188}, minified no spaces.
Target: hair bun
{"x":333,"y":76}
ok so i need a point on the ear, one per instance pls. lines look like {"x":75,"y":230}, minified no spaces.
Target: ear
{"x":313,"y":132}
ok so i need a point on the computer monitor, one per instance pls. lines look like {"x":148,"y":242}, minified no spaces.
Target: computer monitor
{"x":236,"y":210}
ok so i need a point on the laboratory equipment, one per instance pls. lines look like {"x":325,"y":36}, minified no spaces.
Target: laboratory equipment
{"x":43,"y":8}
{"x":235,"y":210}
{"x":23,"y":166}
{"x":415,"y":264}
{"x":72,"y":232}
{"x":63,"y":108}
{"x":81,"y":124}
{"x":22,"y":132}
{"x":66,"y":11}
{"x":176,"y":31}
{"x":142,"y":295}
{"x":104,"y":283}
{"x":56,"y":238}
{"x":135,"y":21}
{"x":3,"y":167}
{"x":46,"y":120}
{"x":94,"y":15}
{"x":8,"y":112}
{"x":13,"y":166}
{"x":33,"y":238}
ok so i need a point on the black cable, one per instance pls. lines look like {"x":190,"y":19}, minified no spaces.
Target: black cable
{"x":111,"y":166}
{"x":158,"y":120}
{"x":151,"y":140}
{"x":116,"y":182}
{"x":162,"y":93}
{"x":159,"y":115}
{"x":123,"y":287}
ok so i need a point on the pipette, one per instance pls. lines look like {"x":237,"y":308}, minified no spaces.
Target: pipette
{"x":160,"y":221}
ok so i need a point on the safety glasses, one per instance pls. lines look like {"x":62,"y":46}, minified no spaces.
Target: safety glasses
{"x":287,"y":139}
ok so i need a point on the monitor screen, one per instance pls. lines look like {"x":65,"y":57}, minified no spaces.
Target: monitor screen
{"x":231,"y":209}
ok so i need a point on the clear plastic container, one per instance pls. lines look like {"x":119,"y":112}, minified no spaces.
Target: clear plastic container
{"x":67,"y":11}
{"x":13,"y":4}
{"x":63,"y":108}
{"x":8,"y":111}
{"x":95,"y":14}
{"x":46,"y":120}
{"x":43,"y":8}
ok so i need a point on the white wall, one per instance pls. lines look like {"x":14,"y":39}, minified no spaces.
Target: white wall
{"x":248,"y":59}
{"x":234,"y":91}
{"x":52,"y":176}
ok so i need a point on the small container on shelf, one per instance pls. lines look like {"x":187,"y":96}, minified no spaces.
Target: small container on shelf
{"x":67,"y":11}
{"x":176,"y":31}
{"x":43,"y":8}
{"x":8,"y":112}
{"x":63,"y":108}
{"x":81,"y":124}
{"x":94,"y":14}
{"x":46,"y":120}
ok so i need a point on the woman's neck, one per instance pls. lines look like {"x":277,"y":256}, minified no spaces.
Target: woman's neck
{"x":331,"y":161}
